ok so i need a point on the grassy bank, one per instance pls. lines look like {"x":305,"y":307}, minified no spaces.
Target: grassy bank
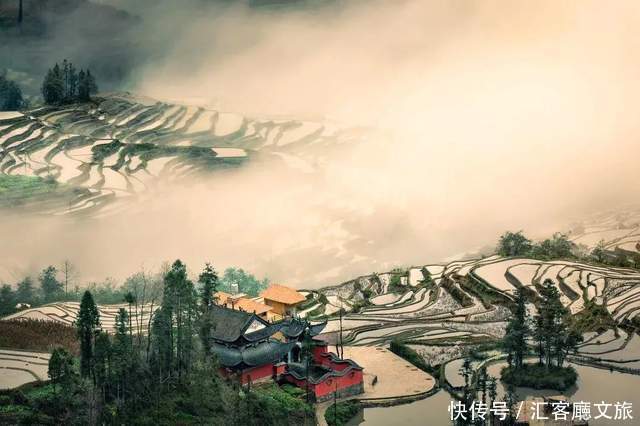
{"x":340,"y":413}
{"x":16,"y":191}
{"x":540,"y":377}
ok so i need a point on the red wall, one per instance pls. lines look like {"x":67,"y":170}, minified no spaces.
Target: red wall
{"x":318,"y":351}
{"x":329,"y":385}
{"x":256,"y":373}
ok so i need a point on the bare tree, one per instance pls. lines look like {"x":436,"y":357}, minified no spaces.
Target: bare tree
{"x":69,"y":274}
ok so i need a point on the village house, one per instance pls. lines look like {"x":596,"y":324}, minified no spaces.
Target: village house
{"x":282,"y":299}
{"x":242,"y":303}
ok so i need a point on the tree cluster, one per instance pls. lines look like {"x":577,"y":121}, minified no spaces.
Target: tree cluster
{"x":10,"y":95}
{"x":166,"y":376}
{"x":553,"y":335}
{"x":50,"y":289}
{"x":64,"y":84}
{"x":238,"y":280}
{"x":516,"y":244}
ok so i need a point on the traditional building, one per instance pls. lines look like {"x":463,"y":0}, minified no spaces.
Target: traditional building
{"x":282,"y":299}
{"x":251,"y":349}
{"x":243,"y":303}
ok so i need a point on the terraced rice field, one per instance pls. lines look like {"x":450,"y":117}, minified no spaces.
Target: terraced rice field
{"x":19,"y":367}
{"x":66,"y":313}
{"x":438,"y":325}
{"x":120,"y":146}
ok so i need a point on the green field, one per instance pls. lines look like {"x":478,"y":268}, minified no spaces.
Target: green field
{"x":16,"y":191}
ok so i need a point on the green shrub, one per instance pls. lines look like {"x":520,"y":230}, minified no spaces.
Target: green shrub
{"x":294,"y":391}
{"x":408,"y":354}
{"x":339,"y":414}
{"x":395,"y":283}
{"x":539,"y":377}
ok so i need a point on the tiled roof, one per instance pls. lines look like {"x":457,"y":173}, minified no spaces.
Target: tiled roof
{"x":282,"y":294}
{"x":242,"y":304}
{"x":229,"y":324}
{"x":252,"y":355}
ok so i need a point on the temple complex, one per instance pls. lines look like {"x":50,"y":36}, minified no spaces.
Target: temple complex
{"x":252,"y":349}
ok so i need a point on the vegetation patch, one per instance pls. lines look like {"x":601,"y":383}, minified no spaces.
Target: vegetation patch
{"x":413,"y":357}
{"x":395,"y":283}
{"x":37,"y":335}
{"x":460,"y":296}
{"x":593,"y":317}
{"x":339,"y":414}
{"x":540,"y":376}
{"x":16,"y":191}
{"x":487,"y":295}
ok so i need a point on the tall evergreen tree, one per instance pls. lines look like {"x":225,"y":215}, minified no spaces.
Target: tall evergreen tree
{"x":86,"y":86}
{"x":123,"y":354}
{"x":515,"y":340}
{"x":130,"y":299}
{"x":53,"y":89}
{"x":539,"y":337}
{"x":553,"y":330}
{"x":60,"y":367}
{"x":87,"y":324}
{"x":83,"y":87}
{"x":25,"y":292}
{"x":10,"y":95}
{"x":7,"y":300}
{"x":102,"y":362}
{"x":52,"y":289}
{"x":208,"y":281}
{"x":174,"y":325}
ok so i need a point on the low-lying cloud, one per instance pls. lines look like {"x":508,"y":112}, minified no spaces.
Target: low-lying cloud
{"x":489,"y":115}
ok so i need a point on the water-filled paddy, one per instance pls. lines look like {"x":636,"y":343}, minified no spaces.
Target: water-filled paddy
{"x":594,"y":385}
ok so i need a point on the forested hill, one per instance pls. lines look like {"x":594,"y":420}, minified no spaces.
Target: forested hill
{"x":41,"y":16}
{"x":95,"y":36}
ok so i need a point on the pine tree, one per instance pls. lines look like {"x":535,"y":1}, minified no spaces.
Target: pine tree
{"x":53,"y":86}
{"x":515,"y":340}
{"x":25,"y":292}
{"x":102,"y":357}
{"x":91,"y":82}
{"x":10,"y":95}
{"x":511,"y":398}
{"x":86,"y":86}
{"x":175,"y":322}
{"x":130,"y":299}
{"x":208,"y":280}
{"x":60,"y":367}
{"x":552,"y":327}
{"x":84,"y":94}
{"x":7,"y":300}
{"x":87,"y":324}
{"x":123,"y":353}
{"x":52,"y":289}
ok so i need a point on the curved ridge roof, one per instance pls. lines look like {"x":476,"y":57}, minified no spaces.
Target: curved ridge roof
{"x":252,"y":355}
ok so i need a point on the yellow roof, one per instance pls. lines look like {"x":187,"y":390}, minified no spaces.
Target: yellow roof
{"x":282,"y":294}
{"x":242,"y":303}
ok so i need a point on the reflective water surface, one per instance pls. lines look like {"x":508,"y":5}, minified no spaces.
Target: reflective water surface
{"x":594,"y":385}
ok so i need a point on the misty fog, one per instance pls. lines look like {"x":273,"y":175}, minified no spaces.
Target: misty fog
{"x":485,"y":116}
